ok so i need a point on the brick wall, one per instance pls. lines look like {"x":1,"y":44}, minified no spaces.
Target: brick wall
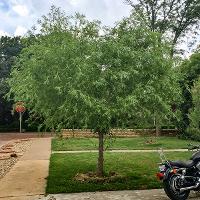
{"x":87,"y":133}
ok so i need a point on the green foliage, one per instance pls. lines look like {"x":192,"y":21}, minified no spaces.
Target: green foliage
{"x":9,"y":50}
{"x":194,"y":128}
{"x":155,"y":87}
{"x":190,"y":71}
{"x":173,"y":18}
{"x":72,"y":76}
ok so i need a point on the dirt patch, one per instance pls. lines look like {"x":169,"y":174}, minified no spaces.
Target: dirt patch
{"x":91,"y":177}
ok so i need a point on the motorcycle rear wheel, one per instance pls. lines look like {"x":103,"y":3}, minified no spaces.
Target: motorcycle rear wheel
{"x":172,"y":193}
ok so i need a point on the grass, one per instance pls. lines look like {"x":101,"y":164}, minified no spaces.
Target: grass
{"x":119,"y":143}
{"x":138,"y":170}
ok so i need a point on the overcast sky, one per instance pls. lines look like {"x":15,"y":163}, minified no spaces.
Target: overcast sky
{"x":17,"y":16}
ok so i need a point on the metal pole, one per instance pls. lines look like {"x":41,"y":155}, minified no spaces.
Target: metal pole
{"x":20,"y":121}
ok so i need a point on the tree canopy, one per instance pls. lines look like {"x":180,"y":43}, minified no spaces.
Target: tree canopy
{"x":190,"y":72}
{"x":173,"y":18}
{"x":68,"y":77}
{"x":9,"y":50}
{"x":194,"y":127}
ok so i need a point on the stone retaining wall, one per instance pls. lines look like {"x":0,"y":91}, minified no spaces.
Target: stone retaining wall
{"x":87,"y":133}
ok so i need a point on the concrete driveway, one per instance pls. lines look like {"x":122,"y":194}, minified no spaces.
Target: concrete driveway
{"x":2,"y":143}
{"x":117,"y":195}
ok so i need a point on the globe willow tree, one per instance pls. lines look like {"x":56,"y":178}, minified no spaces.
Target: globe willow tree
{"x":72,"y":75}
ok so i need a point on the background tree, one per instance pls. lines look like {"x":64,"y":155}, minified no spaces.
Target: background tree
{"x":173,"y":18}
{"x":190,"y":72}
{"x":9,"y":50}
{"x":194,"y":127}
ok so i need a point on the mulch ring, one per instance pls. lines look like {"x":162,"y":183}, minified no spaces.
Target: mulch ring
{"x":91,"y":177}
{"x":10,"y":153}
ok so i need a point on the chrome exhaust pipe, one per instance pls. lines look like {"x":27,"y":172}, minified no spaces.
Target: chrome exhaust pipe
{"x":190,"y":188}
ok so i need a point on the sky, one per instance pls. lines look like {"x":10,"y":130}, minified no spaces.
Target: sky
{"x":18,"y":16}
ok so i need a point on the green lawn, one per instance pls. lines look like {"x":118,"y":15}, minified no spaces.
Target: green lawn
{"x":137,"y":169}
{"x":119,"y":143}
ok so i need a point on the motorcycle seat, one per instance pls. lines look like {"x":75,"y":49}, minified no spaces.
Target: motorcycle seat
{"x":185,"y":164}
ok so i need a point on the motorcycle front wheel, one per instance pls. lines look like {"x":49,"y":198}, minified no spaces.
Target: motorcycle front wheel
{"x":170,"y":188}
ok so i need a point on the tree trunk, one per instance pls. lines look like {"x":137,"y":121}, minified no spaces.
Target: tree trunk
{"x":157,"y":130}
{"x":157,"y":124}
{"x":100,"y":171}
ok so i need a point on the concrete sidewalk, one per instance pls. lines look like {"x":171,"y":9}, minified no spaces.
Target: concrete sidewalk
{"x":27,"y":179}
{"x":123,"y":151}
{"x":117,"y":195}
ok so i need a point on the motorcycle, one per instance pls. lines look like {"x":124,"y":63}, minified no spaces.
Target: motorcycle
{"x":179,"y":177}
